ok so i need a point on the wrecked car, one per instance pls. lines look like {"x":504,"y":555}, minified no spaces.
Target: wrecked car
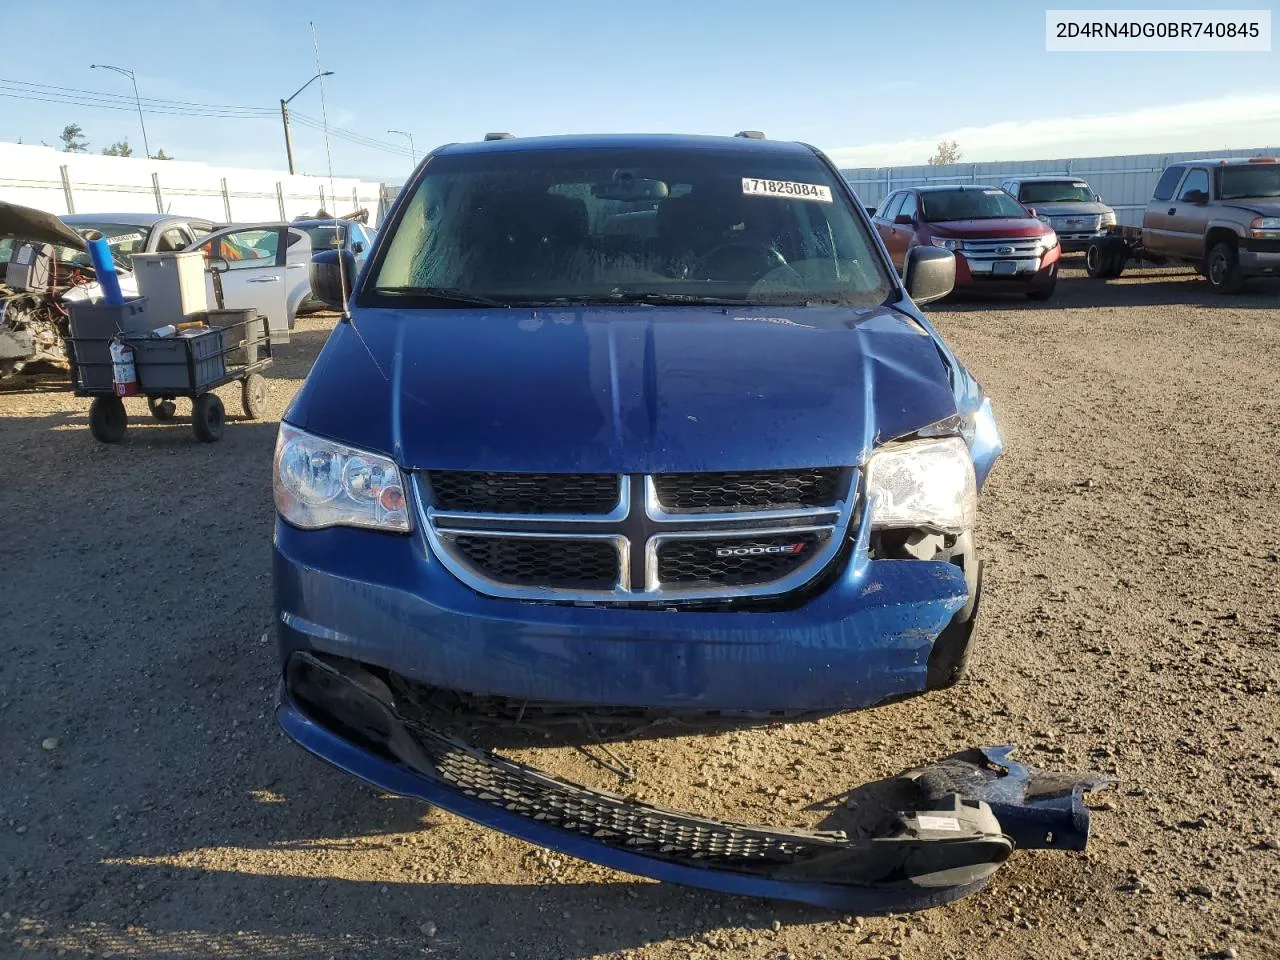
{"x":632,"y":426}
{"x":44,"y":264}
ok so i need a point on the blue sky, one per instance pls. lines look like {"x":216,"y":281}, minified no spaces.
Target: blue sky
{"x":875,"y":84}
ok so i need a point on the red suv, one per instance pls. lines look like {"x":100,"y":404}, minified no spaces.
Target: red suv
{"x":1000,"y":245}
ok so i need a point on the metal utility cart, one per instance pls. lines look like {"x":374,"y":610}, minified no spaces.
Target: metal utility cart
{"x":233,"y":346}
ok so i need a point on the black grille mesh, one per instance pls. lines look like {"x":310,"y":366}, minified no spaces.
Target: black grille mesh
{"x":758,"y":490}
{"x":580,"y":564}
{"x":534,"y":493}
{"x":698,"y":561}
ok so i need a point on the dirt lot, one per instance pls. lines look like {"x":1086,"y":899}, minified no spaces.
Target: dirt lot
{"x":149,"y":808}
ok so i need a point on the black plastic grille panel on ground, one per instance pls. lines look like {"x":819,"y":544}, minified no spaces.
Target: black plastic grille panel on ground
{"x":615,"y":821}
{"x":757,"y":490}
{"x":699,"y":560}
{"x":587,"y":564}
{"x":529,"y":493}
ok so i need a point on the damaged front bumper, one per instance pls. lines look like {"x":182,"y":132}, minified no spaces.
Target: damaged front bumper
{"x":958,"y":821}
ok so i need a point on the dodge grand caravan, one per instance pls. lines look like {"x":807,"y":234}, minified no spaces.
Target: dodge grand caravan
{"x":629,"y":424}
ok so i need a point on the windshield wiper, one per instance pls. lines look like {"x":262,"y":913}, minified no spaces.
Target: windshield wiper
{"x":649,"y":296}
{"x":442,"y":295}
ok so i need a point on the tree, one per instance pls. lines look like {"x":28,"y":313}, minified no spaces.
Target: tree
{"x":73,"y":141}
{"x":161,"y":155}
{"x":947,"y":151}
{"x":120,"y":148}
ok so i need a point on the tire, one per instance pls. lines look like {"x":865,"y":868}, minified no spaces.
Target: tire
{"x":208,"y":417}
{"x":1222,"y":269}
{"x":1096,"y":261}
{"x":162,"y":408}
{"x":107,"y":419}
{"x":253,"y":396}
{"x":1119,"y":257}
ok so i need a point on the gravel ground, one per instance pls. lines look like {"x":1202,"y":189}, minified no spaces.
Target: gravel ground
{"x":149,"y":807}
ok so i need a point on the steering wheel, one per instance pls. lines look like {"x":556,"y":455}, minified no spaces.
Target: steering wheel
{"x":746,"y":260}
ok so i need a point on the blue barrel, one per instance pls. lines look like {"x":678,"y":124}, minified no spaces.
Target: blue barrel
{"x":105,"y":268}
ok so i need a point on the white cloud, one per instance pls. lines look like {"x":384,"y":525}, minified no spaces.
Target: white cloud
{"x":1236,"y":121}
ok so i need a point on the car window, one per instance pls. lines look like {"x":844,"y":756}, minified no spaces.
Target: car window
{"x":1055,"y":191}
{"x":908,"y":205}
{"x":324,"y":236}
{"x":1254,"y":180}
{"x":1197,"y":179}
{"x":603,"y":225}
{"x":989,"y":204}
{"x":199,"y":230}
{"x":246,"y":248}
{"x":890,"y":207}
{"x":175,"y":238}
{"x":1168,"y":183}
{"x":124,"y":239}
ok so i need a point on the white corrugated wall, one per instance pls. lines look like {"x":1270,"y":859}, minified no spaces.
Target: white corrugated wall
{"x":1125,"y":183}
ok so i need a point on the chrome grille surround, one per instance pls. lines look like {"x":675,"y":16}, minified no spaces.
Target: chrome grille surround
{"x":637,"y":528}
{"x":981,"y":255}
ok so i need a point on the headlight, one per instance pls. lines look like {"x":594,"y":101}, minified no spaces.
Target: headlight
{"x":946,"y":243}
{"x":1048,"y":241}
{"x":926,"y":483}
{"x":319,"y":483}
{"x":1109,"y":218}
{"x":1265,"y":226}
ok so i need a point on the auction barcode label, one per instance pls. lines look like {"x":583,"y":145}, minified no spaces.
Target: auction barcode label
{"x":1187,"y":31}
{"x":786,"y":188}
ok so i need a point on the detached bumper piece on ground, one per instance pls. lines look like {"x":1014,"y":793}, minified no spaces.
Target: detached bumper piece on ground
{"x":958,"y":821}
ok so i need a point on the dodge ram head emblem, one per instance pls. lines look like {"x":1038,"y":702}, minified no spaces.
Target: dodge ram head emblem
{"x":756,"y":551}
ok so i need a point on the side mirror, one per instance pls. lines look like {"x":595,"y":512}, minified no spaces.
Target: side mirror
{"x":1032,"y":211}
{"x":357,"y":247}
{"x":329,"y":269}
{"x":929,"y":274}
{"x":1198,"y":197}
{"x":1097,"y":197}
{"x":903,"y":220}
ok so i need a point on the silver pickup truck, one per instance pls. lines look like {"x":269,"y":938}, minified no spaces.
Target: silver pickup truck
{"x":1068,"y":204}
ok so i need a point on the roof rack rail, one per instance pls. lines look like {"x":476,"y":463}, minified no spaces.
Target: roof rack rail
{"x":750,"y":134}
{"x":498,"y":136}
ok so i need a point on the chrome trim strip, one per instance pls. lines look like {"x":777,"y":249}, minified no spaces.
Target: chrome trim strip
{"x":797,"y":578}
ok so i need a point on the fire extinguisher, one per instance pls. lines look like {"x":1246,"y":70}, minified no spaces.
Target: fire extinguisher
{"x":124,"y":374}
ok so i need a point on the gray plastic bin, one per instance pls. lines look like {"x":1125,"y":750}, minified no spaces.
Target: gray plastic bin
{"x":92,"y":327}
{"x":183,"y":363}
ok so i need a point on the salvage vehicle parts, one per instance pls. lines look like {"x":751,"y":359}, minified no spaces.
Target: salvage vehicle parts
{"x":1221,"y":217}
{"x":582,"y":390}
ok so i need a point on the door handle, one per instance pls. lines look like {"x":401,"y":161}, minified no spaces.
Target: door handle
{"x":1173,"y":211}
{"x":263,"y":279}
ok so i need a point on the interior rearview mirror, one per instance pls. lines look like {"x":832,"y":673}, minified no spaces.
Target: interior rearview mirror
{"x":903,"y":219}
{"x":333,"y":272}
{"x":929,"y":274}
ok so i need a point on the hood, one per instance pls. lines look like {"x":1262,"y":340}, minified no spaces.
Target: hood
{"x":36,"y":226}
{"x":1071,"y":208}
{"x":625,"y":390}
{"x":989,"y":229}
{"x":1263,"y":206}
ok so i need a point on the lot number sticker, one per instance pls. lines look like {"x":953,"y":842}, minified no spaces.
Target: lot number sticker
{"x":785,"y":188}
{"x":938,"y":823}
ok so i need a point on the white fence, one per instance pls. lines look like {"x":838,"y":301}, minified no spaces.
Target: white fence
{"x":1125,"y":183}
{"x":63,"y":183}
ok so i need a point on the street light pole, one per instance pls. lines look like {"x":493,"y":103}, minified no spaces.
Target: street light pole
{"x":136,"y":99}
{"x":284,"y":116}
{"x":412,"y":153}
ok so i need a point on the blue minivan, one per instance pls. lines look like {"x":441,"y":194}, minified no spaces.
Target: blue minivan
{"x":619,"y":425}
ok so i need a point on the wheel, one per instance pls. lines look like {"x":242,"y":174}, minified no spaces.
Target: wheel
{"x":253,"y":395}
{"x":107,"y":419}
{"x":208,"y":417}
{"x":1222,"y":269}
{"x":162,"y":408}
{"x":1119,"y":257}
{"x":1097,"y":261}
{"x":1043,"y":293}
